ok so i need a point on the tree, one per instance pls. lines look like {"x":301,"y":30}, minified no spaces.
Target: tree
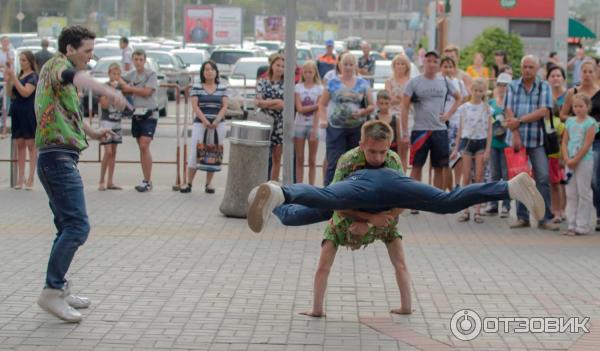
{"x":491,"y":40}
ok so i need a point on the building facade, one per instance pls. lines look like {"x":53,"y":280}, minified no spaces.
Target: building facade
{"x":383,"y":21}
{"x":541,"y":24}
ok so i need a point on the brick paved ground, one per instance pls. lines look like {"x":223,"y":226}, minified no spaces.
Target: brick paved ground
{"x":166,"y":271}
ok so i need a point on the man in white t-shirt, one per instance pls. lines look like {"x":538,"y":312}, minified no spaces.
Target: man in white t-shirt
{"x":125,"y":54}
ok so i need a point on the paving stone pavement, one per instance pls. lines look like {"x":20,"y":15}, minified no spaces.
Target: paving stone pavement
{"x":166,"y":271}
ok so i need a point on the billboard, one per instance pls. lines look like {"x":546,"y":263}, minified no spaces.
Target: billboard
{"x":508,"y":8}
{"x":315,"y":31}
{"x":118,"y":27}
{"x":269,"y":28}
{"x":50,"y":26}
{"x":212,"y":25}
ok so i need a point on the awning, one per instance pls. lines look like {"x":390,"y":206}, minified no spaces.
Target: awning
{"x":579,"y":30}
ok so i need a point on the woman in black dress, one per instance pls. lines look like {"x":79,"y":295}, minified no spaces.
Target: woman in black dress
{"x":21,"y":89}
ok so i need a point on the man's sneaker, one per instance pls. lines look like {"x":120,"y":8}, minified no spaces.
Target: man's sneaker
{"x":522,"y":188}
{"x":261,"y":203}
{"x":78,"y":302}
{"x":144,"y":186}
{"x":53,"y":301}
{"x":505,"y":213}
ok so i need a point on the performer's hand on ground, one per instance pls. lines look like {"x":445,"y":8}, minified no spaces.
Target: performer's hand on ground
{"x":381,"y":220}
{"x":313,"y":313}
{"x":359,"y":228}
{"x":402,"y":311}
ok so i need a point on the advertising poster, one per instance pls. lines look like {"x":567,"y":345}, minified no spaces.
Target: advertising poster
{"x":310,"y":31}
{"x":50,"y":26}
{"x":118,"y":27}
{"x":227,"y":25}
{"x":269,"y":28}
{"x":198,"y":24}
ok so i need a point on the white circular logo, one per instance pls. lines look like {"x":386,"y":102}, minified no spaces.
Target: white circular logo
{"x":466,"y":325}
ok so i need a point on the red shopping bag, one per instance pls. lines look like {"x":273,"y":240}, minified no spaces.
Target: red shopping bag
{"x":516,"y":162}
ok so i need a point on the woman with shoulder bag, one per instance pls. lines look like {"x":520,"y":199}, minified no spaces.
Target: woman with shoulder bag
{"x":209,"y":102}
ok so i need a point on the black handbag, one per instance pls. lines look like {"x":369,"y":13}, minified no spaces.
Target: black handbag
{"x":551,"y":143}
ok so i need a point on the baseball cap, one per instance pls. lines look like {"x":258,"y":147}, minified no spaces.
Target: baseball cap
{"x":432,"y":53}
{"x":328,"y":42}
{"x":504,"y":78}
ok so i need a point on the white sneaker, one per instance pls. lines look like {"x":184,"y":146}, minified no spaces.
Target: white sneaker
{"x":522,"y":188}
{"x":53,"y":301}
{"x":261,"y":203}
{"x":78,"y":302}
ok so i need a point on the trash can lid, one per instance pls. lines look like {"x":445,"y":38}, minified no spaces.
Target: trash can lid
{"x":250,"y":133}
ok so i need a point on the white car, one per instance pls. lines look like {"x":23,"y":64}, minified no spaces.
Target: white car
{"x":390,"y":51}
{"x":270,"y":46}
{"x":193,"y":60}
{"x":242,"y":81}
{"x":225,"y":58}
{"x":383,"y":70}
{"x":106,"y":50}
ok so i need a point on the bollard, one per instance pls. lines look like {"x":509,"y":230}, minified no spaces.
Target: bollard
{"x":248,"y":165}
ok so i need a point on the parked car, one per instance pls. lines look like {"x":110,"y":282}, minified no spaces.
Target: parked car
{"x":145,"y":45}
{"x":172,"y":67}
{"x":242,"y":81}
{"x":17,"y":38}
{"x":32,"y":42}
{"x":373,"y":54}
{"x":270,"y":46}
{"x":317,"y":50}
{"x":225,"y":58}
{"x":383,"y":70}
{"x":390,"y":51}
{"x":106,"y":50}
{"x":193,"y":60}
{"x":100,"y":72}
{"x":202,"y":46}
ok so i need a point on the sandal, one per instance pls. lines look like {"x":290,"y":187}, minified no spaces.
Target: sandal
{"x":477,"y":218}
{"x":187,"y":189}
{"x":464,"y":217}
{"x":557,"y":219}
{"x":114,"y":187}
{"x":101,"y":187}
{"x":209,"y":190}
{"x":569,"y":233}
{"x":414,"y":211}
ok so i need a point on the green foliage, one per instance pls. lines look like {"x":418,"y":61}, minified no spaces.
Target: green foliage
{"x":491,"y":40}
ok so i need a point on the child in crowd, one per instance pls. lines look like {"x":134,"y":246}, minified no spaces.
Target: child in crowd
{"x":474,"y":137}
{"x":578,"y":156}
{"x":110,"y":118}
{"x":448,"y":69}
{"x":384,"y":114}
{"x":307,"y":95}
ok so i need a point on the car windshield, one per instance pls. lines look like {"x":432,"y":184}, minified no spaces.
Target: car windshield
{"x":161,"y":59}
{"x":101,"y":52}
{"x":247,"y":69}
{"x":269,"y":46}
{"x":102,"y":66}
{"x":229,"y":57}
{"x":191,"y":58}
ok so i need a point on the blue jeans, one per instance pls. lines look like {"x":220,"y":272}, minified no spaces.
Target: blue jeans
{"x":339,"y":140}
{"x":596,"y":177}
{"x":539,"y":163}
{"x":499,"y":172}
{"x":376,"y":190}
{"x":60,"y":178}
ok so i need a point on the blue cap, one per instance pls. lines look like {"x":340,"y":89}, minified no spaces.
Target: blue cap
{"x":328,"y":42}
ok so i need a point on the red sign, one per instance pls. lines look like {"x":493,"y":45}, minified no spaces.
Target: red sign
{"x":513,"y":8}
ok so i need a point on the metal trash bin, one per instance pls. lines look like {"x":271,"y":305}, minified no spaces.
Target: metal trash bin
{"x":248,"y":165}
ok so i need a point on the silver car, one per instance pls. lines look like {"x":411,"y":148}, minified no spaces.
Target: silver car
{"x":242,"y":81}
{"x":172,"y":67}
{"x":225,"y":58}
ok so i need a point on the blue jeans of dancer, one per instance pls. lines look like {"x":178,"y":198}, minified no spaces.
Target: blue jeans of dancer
{"x":339,"y":140}
{"x":539,"y":163}
{"x":499,"y":172}
{"x":596,"y":177}
{"x":376,"y":190}
{"x":60,"y":178}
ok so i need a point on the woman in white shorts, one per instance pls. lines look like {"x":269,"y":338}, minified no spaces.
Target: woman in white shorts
{"x":209,"y":102}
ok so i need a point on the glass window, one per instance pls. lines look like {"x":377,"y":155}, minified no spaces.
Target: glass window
{"x":380,"y":24}
{"x":369,"y":24}
{"x":536,"y":29}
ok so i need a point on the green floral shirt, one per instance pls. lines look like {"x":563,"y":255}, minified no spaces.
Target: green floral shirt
{"x":57,"y":109}
{"x":338,"y":228}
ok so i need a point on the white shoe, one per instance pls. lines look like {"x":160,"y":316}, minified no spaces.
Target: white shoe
{"x":78,"y":302}
{"x":53,"y":301}
{"x":522,"y":188}
{"x":261,"y":203}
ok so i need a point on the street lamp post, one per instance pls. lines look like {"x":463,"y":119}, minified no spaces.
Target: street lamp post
{"x":288,"y":91}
